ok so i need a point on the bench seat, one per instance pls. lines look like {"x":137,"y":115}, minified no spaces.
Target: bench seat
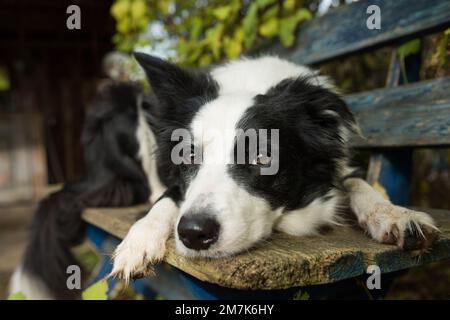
{"x":286,"y":261}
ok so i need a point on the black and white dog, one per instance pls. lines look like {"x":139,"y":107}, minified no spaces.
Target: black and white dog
{"x":218,"y":208}
{"x":193,"y":133}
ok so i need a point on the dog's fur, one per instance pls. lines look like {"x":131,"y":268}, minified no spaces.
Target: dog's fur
{"x":313,"y":181}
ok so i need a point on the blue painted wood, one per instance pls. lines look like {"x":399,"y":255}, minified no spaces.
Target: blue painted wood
{"x":104,"y":243}
{"x":179,"y":285}
{"x":167,"y":281}
{"x":344,"y":289}
{"x":415,"y":115}
{"x":395,"y":166}
{"x":343,"y":31}
{"x":395,"y":175}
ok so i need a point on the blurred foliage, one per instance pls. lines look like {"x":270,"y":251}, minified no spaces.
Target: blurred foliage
{"x":436,"y":58}
{"x":4,"y":79}
{"x":301,"y":295}
{"x":97,"y":291}
{"x":17,"y":296}
{"x":430,"y":281}
{"x":360,"y":72}
{"x":207,"y":31}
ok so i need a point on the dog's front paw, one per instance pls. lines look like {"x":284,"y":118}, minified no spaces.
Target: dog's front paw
{"x":143,"y":247}
{"x":408,"y":229}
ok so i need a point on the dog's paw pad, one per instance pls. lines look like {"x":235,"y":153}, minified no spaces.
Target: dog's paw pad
{"x":417,"y":238}
{"x":410,"y":230}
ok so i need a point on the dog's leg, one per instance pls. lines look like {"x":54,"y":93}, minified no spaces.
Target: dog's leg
{"x":145,"y":243}
{"x":387,"y":223}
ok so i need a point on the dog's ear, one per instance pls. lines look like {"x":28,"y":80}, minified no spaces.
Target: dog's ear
{"x":323,"y":104}
{"x":174,"y":85}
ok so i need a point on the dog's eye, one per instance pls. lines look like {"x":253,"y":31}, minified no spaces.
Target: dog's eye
{"x":262,"y":160}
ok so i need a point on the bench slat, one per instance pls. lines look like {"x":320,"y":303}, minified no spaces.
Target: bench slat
{"x":286,"y":261}
{"x":343,"y":31}
{"x":411,"y":115}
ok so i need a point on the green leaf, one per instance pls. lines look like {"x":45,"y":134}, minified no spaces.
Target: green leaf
{"x":264,"y":3}
{"x":213,"y":38}
{"x":288,"y":5}
{"x":250,"y":24}
{"x":301,"y":296}
{"x":205,"y":60}
{"x":303,"y":14}
{"x":409,"y":48}
{"x":222,"y":13}
{"x":405,"y":50}
{"x":269,"y":28}
{"x":138,"y":9}
{"x":196,"y":28}
{"x":239,"y":34}
{"x":97,"y":291}
{"x":17,"y":296}
{"x":120,"y":8}
{"x":232,"y":47}
{"x":5,"y":83}
{"x":271,"y":13}
{"x":287,"y":31}
{"x":124,"y":25}
{"x":288,"y":26}
{"x":163,"y":6}
{"x":194,"y":52}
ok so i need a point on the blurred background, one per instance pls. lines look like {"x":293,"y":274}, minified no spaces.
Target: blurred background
{"x":49,"y":74}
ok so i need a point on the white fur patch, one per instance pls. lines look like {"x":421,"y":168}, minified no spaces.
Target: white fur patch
{"x":147,"y":148}
{"x":260,"y":74}
{"x":145,"y":243}
{"x":306,"y":221}
{"x":30,"y":286}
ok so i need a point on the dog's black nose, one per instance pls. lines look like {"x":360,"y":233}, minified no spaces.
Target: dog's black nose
{"x":198,"y":231}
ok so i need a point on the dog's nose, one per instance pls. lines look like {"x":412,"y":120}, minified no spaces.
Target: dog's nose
{"x":198,"y":231}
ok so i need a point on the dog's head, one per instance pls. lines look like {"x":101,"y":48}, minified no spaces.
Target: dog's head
{"x":252,"y":140}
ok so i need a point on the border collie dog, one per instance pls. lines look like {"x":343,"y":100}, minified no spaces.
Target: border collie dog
{"x":217,"y":192}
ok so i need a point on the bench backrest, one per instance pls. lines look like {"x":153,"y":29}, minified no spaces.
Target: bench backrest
{"x":411,"y":115}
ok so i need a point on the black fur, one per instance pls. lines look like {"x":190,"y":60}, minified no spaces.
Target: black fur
{"x":179,"y":95}
{"x":308,"y":116}
{"x":310,"y":145}
{"x":114,"y":178}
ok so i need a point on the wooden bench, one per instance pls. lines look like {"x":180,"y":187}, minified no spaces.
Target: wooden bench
{"x":394,"y":120}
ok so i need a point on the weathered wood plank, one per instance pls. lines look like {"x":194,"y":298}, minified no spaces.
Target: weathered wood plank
{"x":411,"y":115}
{"x":343,"y":31}
{"x":285,"y":261}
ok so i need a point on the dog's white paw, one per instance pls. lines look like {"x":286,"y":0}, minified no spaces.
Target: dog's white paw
{"x":408,"y":229}
{"x":143,"y":247}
